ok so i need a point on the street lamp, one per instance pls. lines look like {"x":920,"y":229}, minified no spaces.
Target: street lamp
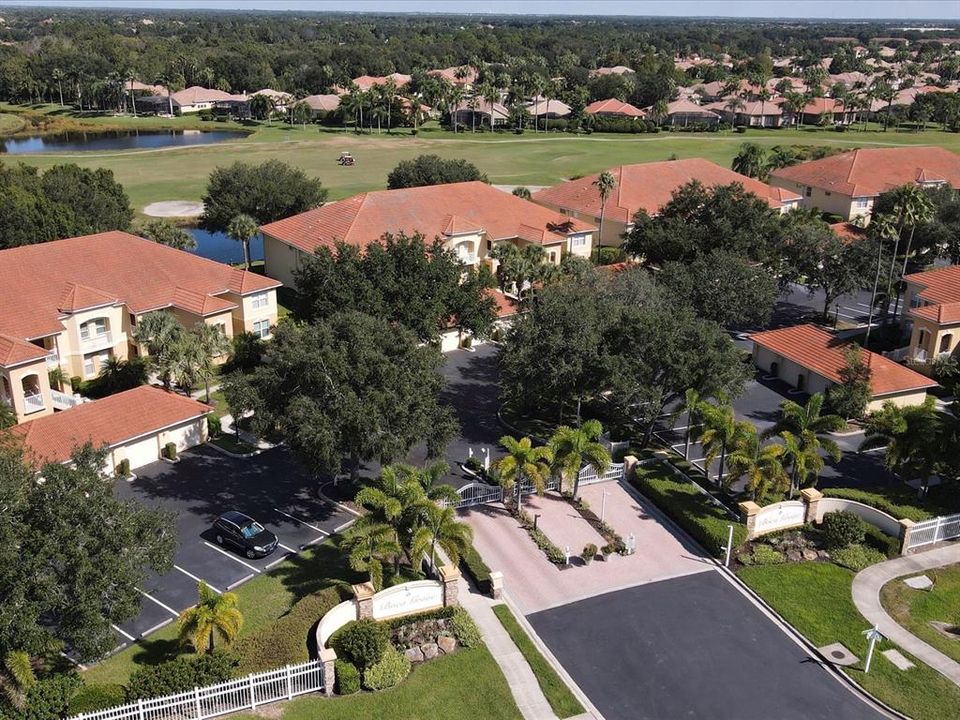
{"x":603,"y":505}
{"x":536,"y":517}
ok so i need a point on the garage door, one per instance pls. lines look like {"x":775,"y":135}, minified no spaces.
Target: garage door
{"x":142,"y":452}
{"x":185,"y":437}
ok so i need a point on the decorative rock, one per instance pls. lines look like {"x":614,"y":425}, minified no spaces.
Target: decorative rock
{"x":809,"y":554}
{"x":919,"y":582}
{"x":413,"y":654}
{"x":429,"y":650}
{"x":794,"y":556}
{"x":447,"y":644}
{"x":823,"y":555}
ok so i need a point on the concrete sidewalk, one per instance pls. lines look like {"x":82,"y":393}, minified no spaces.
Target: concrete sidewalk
{"x":866,"y":596}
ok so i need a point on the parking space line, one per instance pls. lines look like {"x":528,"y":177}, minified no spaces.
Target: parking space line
{"x":199,"y":580}
{"x":288,"y":549}
{"x":319,"y":538}
{"x":71,"y":660}
{"x":343,"y":527}
{"x":231,"y":556}
{"x":123,"y":632}
{"x":298,"y":520}
{"x":279,"y":560}
{"x":165,"y":607}
{"x":241,"y":581}
{"x":155,"y":628}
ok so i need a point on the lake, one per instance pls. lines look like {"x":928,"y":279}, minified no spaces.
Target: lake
{"x":119,"y":140}
{"x":218,"y":246}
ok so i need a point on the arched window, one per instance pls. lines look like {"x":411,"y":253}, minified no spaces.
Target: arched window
{"x":95,"y":329}
{"x":32,"y":394}
{"x":945,"y":342}
{"x":465,"y":252}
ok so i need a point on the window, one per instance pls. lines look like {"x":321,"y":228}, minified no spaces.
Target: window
{"x":93,"y":362}
{"x":260,"y":300}
{"x":861,"y":203}
{"x":261,"y":328}
{"x":222,"y":327}
{"x":809,"y":191}
{"x":553,"y":256}
{"x":579,"y":241}
{"x":93,"y":329}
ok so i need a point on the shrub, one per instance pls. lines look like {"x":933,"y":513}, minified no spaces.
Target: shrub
{"x":467,"y":342}
{"x":474,"y":566}
{"x":857,"y":557}
{"x":123,"y":468}
{"x":76,"y":382}
{"x":877,"y":539}
{"x":841,"y":529}
{"x":442,"y":613}
{"x":607,"y":549}
{"x":363,"y":642}
{"x":473,"y":463}
{"x":766,"y":555}
{"x":347,"y":678}
{"x":880,"y":502}
{"x":49,"y":698}
{"x":184,"y":673}
{"x":388,"y":672}
{"x":214,"y":427}
{"x":610,"y":255}
{"x":284,"y":641}
{"x":589,"y":552}
{"x":170,"y":451}
{"x":465,"y":629}
{"x":97,"y":696}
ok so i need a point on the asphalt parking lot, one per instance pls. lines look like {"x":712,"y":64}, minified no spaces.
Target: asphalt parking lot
{"x":691,"y":647}
{"x":271,"y":488}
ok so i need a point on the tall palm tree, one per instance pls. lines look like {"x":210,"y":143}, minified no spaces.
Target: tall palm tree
{"x":523,"y":464}
{"x":17,"y":676}
{"x":691,"y":404}
{"x":721,"y":430}
{"x":369,"y":544}
{"x":162,"y":334}
{"x":215,"y":616}
{"x":58,"y":77}
{"x":212,"y":343}
{"x":751,"y":161}
{"x":58,"y":378}
{"x":431,"y":480}
{"x":439,"y":526}
{"x":915,"y":208}
{"x":762,"y":464}
{"x":489,"y":92}
{"x":916,"y":438}
{"x":605,"y":184}
{"x":575,"y":447}
{"x":809,"y":428}
{"x":243,"y":228}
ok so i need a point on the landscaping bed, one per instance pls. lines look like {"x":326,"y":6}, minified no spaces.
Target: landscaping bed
{"x":932,"y":615}
{"x":815,"y":597}
{"x":229,"y":442}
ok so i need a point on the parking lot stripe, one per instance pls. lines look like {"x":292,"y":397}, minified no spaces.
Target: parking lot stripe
{"x":296,"y":519}
{"x":319,"y":538}
{"x":155,"y":628}
{"x":123,"y":632}
{"x":232,"y":557}
{"x":165,"y":607}
{"x":199,"y":580}
{"x":288,"y":549}
{"x":343,"y":527}
{"x":241,"y":581}
{"x":70,"y":659}
{"x":279,"y":560}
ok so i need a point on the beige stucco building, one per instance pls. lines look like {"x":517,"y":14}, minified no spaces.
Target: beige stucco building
{"x":933,"y":314}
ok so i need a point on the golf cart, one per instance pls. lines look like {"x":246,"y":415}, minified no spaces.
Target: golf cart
{"x":346,"y":159}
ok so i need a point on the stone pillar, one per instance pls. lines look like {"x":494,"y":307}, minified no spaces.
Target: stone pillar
{"x":363,"y":595}
{"x":629,"y":466}
{"x":328,"y":659}
{"x":449,"y":576}
{"x":496,"y":584}
{"x":906,"y":530}
{"x":811,"y":498}
{"x":749,"y":510}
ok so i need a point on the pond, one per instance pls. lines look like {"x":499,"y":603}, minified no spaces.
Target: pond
{"x":218,"y":246}
{"x":117,"y":140}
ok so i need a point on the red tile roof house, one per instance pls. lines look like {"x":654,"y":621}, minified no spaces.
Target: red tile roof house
{"x":614,"y":108}
{"x":470,"y":217}
{"x":810,"y":359}
{"x":752,"y":113}
{"x":190,"y":100}
{"x":848,"y":184}
{"x":73,"y":304}
{"x":647,"y":186}
{"x":832,"y":111}
{"x":933,"y":299}
{"x":134,"y":425}
{"x":685,"y":112}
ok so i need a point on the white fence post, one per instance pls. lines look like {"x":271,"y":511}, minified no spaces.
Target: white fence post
{"x":289,"y":684}
{"x":253,"y":694}
{"x":196,"y":703}
{"x":140,"y":708}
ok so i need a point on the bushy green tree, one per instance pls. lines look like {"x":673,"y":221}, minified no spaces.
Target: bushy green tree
{"x":166,"y":233}
{"x":849,"y":398}
{"x":432,"y":170}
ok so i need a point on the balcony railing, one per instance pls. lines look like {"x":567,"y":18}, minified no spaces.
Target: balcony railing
{"x":33,"y":403}
{"x":63,"y":401}
{"x":467,"y":258}
{"x":94,"y":342}
{"x":53,"y":359}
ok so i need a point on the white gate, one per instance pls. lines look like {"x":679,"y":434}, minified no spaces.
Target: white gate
{"x":588,"y":474}
{"x":945,"y":527}
{"x":478,"y":494}
{"x":528,"y":488}
{"x":245,"y":693}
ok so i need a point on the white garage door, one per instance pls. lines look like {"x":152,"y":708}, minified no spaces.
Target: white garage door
{"x":142,"y":452}
{"x":185,"y":437}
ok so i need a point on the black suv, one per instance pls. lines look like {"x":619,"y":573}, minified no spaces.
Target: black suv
{"x":245,"y":534}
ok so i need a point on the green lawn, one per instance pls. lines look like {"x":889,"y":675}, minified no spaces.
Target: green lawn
{"x":229,"y":442}
{"x":10,"y":124}
{"x":530,"y":159}
{"x":916,"y":609}
{"x":467,"y":685}
{"x":815,"y":598}
{"x":562,"y":701}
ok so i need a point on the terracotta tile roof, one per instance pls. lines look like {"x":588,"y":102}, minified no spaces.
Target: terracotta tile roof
{"x":612,"y":106}
{"x":365,"y":82}
{"x":648,"y":186}
{"x":323,"y":103}
{"x":684,"y":106}
{"x":450,"y":75}
{"x":615,"y":70}
{"x":506,"y":306}
{"x":940,"y":285}
{"x":942,"y":314}
{"x":753,"y":108}
{"x":822,"y":353}
{"x":200,"y":304}
{"x":14,"y":351}
{"x":196,"y":94}
{"x":432,"y":210}
{"x":39,"y":280}
{"x":870,"y":171}
{"x":113,"y":420}
{"x":848,"y":232}
{"x":818,"y":106}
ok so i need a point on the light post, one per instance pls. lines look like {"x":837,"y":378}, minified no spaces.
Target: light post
{"x":566,"y":554}
{"x":486,"y":459}
{"x":536,"y":517}
{"x":603,"y":505}
{"x":873,"y":634}
{"x":726,"y":562}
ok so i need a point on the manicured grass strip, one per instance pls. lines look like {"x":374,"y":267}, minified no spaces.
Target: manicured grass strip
{"x":916,"y":609}
{"x":229,"y":442}
{"x":563,"y":702}
{"x":815,"y":598}
{"x":467,"y":685}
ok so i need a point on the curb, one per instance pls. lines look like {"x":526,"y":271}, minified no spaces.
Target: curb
{"x":239,"y":456}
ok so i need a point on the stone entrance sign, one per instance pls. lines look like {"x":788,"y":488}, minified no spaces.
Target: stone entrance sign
{"x":779,"y":516}
{"x":407,"y":599}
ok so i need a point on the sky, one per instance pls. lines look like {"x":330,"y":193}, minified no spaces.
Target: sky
{"x":805,"y":9}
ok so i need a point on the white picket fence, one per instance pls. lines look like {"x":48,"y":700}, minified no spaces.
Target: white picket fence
{"x":945,"y":527}
{"x":247,"y":693}
{"x":589,"y":476}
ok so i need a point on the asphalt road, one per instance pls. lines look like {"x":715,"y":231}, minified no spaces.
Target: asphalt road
{"x":693,"y":647}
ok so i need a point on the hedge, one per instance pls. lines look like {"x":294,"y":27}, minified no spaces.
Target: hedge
{"x":183,"y":673}
{"x":473,"y":565}
{"x":689,"y":508}
{"x":285,"y":641}
{"x":97,"y":696}
{"x":880,"y":502}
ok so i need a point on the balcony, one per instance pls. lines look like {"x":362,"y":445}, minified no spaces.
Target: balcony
{"x":63,"y":401}
{"x":96,"y":342}
{"x":467,"y":258}
{"x":53,"y":359}
{"x":32,"y":403}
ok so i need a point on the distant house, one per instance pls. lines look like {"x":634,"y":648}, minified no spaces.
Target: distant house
{"x":322,"y":105}
{"x":470,"y":218}
{"x":451,"y":74}
{"x":647,"y":186}
{"x":281,"y":100}
{"x":751,"y":113}
{"x":933,"y":299}
{"x":190,"y":100}
{"x":834,"y":111}
{"x":478,"y":112}
{"x":615,"y":70}
{"x":611,"y":107}
{"x":550,"y":109}
{"x":847,"y":184}
{"x":685,"y":112}
{"x":366,"y":82}
{"x":810,"y":359}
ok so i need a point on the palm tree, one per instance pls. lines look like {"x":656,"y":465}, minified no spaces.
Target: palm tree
{"x":762,"y":464}
{"x":916,"y":439}
{"x":212,"y":343}
{"x":522,"y":192}
{"x":691,"y":404}
{"x":243,"y":228}
{"x":215,"y":616}
{"x":491,"y":94}
{"x":573,"y":448}
{"x":808,"y":428}
{"x":58,"y":378}
{"x":431,"y":480}
{"x":58,"y":77}
{"x":523,"y":464}
{"x":369,"y":544}
{"x":751,"y":161}
{"x":162,"y":334}
{"x":914,"y":207}
{"x":721,"y":430}
{"x":733,"y":106}
{"x":17,"y":676}
{"x":262,"y":107}
{"x":439,"y":526}
{"x":605,"y":184}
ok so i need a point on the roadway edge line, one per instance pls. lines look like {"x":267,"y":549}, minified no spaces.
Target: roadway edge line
{"x":154,"y":628}
{"x":123,"y":632}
